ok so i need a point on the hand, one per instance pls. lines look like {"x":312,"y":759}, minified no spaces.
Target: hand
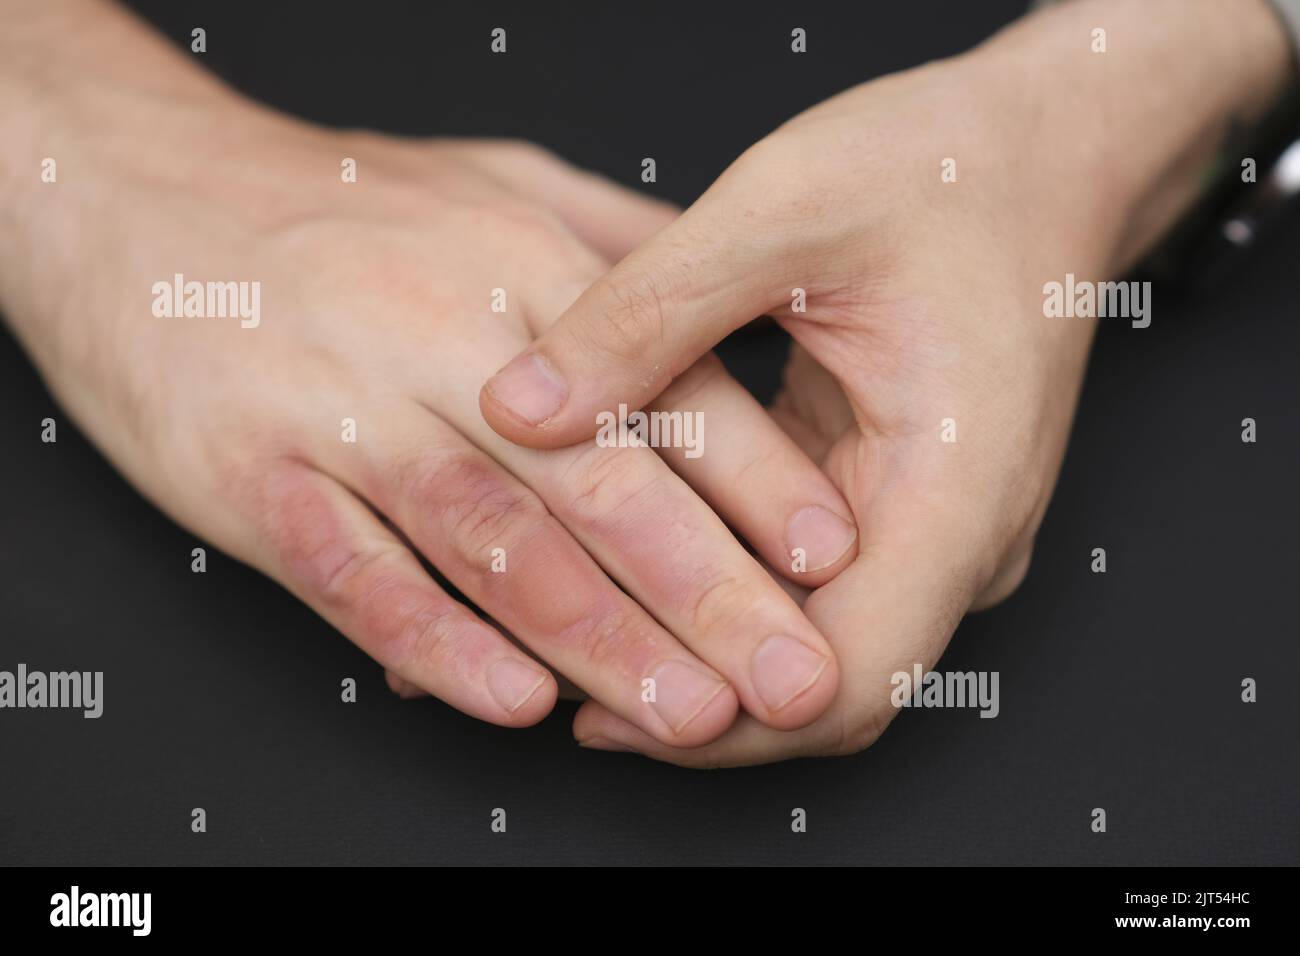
{"x":375,"y":322}
{"x":926,"y":377}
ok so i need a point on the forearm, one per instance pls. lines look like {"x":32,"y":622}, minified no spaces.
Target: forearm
{"x":1131,"y":132}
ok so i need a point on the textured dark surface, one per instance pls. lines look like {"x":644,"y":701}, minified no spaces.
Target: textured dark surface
{"x":1119,"y":690}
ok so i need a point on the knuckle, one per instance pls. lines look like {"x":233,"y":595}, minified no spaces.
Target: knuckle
{"x":1008,"y":579}
{"x":719,"y":602}
{"x":602,"y":639}
{"x":477,"y":508}
{"x":360,"y":574}
{"x":528,"y":223}
{"x":300,"y":525}
{"x":398,"y":622}
{"x":1017,"y":571}
{"x":481,"y":517}
{"x":430,"y":635}
{"x":605,"y":481}
{"x":632,"y":319}
{"x":510,"y":223}
{"x":855,"y":732}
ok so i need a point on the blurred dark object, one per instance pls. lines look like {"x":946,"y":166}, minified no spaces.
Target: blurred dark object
{"x":1227,"y":225}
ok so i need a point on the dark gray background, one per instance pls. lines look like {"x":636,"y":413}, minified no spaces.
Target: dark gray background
{"x":1119,"y":690}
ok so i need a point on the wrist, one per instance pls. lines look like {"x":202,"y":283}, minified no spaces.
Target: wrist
{"x":86,"y":94}
{"x":1126,"y":137}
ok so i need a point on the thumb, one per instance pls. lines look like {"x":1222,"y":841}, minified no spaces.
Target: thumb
{"x":635,"y":329}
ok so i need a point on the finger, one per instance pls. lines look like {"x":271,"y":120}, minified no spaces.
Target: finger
{"x":567,"y":689}
{"x":647,"y":320}
{"x":402,"y":688}
{"x":332,"y":552}
{"x":857,"y":717}
{"x":892,"y":609}
{"x":610,"y":218}
{"x":811,"y":407}
{"x":746,"y":743}
{"x":669,"y":550}
{"x":804,"y":435}
{"x":672,"y":553}
{"x":496,"y":542}
{"x":407,"y":691}
{"x":756,"y":477}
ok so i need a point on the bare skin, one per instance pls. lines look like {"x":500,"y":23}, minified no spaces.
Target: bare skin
{"x":376,"y":309}
{"x":927,"y":379}
{"x":924,"y":304}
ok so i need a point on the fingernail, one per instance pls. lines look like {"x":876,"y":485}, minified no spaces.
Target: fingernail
{"x":512,"y":683}
{"x":530,"y":387}
{"x":823,"y":535}
{"x":604,"y":743}
{"x":783,"y":668}
{"x":681,"y":692}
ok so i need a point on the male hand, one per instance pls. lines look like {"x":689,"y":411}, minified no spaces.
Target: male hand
{"x":331,"y":437}
{"x":926,"y":376}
